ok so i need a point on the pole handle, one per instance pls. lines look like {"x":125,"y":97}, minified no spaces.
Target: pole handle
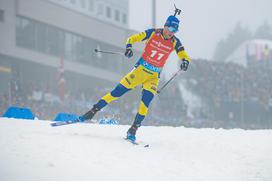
{"x":108,"y":52}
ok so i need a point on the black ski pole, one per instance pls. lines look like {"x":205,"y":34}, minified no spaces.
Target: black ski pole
{"x":159,"y":91}
{"x":108,"y":52}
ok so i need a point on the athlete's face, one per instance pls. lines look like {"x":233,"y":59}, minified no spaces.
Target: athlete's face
{"x":167,"y":33}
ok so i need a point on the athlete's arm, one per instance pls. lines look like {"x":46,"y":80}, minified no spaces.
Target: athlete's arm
{"x":139,"y":37}
{"x":180,"y":50}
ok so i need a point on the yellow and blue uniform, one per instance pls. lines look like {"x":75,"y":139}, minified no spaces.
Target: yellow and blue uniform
{"x":145,"y":36}
{"x":145,"y":72}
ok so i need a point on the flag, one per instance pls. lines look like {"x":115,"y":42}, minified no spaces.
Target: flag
{"x":61,"y":80}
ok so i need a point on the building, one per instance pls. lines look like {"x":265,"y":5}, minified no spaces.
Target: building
{"x":47,"y":53}
{"x":37,"y":35}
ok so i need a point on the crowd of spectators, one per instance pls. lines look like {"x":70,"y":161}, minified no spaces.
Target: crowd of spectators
{"x":46,"y":103}
{"x":236,"y":96}
{"x":232,"y":96}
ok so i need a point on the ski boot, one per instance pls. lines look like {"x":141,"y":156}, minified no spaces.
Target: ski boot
{"x":131,"y":134}
{"x":89,"y":115}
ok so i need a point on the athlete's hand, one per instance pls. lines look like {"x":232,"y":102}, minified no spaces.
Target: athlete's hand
{"x":129,"y":53}
{"x":184,"y":64}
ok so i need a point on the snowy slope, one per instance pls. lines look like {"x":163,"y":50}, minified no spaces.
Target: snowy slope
{"x":34,"y":151}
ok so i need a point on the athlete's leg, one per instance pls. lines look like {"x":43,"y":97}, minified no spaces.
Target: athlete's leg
{"x":148,"y":93}
{"x":128,"y":82}
{"x":147,"y":97}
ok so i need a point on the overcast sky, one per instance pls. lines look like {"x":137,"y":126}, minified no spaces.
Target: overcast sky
{"x":204,"y":23}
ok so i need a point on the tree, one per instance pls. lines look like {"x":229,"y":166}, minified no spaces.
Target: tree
{"x":226,"y":46}
{"x":264,"y":31}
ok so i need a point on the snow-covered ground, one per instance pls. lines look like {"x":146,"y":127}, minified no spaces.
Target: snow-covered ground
{"x":34,"y":151}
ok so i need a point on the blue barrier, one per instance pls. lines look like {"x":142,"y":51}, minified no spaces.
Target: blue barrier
{"x":19,"y":113}
{"x":65,"y":117}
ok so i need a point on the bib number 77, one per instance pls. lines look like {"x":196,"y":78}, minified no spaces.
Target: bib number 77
{"x":154,"y":53}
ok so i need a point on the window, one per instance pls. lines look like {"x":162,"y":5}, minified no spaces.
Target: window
{"x":108,"y":12}
{"x":25,"y":30}
{"x":77,"y":46}
{"x":50,"y":40}
{"x":61,"y":42}
{"x":91,"y":5}
{"x":124,"y":18}
{"x":68,"y":47}
{"x":100,"y":10}
{"x":117,"y":15}
{"x":19,"y":29}
{"x":83,"y":4}
{"x":41,"y":31}
{"x":40,"y":37}
{"x":1,"y":15}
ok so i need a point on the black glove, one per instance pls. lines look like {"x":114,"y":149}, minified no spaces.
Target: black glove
{"x":184,"y":64}
{"x":129,"y":53}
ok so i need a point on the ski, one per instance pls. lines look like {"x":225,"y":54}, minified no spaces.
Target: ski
{"x":62,"y":123}
{"x":137,"y":143}
{"x":132,"y":142}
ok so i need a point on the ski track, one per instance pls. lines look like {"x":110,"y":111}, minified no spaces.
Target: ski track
{"x":35,"y":151}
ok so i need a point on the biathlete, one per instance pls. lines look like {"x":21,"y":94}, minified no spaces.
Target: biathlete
{"x":159,"y":44}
